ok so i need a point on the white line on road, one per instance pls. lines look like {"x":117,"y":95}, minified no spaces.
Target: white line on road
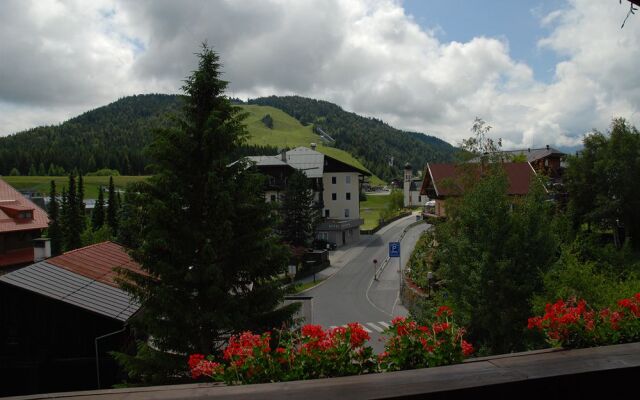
{"x":384,"y":324}
{"x":376,"y":327}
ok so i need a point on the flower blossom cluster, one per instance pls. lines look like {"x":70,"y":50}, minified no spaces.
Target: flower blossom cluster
{"x":412,"y":345}
{"x":574,"y":324}
{"x":313,"y":352}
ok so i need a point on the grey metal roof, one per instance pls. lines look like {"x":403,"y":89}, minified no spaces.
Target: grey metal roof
{"x":309,"y":161}
{"x":266,"y":160}
{"x":63,"y":285}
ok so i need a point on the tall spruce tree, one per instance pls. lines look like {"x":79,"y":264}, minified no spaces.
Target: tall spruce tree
{"x":112,"y":207}
{"x":80,"y":203}
{"x":72,"y":220}
{"x":209,"y":244}
{"x":300,"y":216}
{"x":97,"y":216}
{"x":55,"y":231}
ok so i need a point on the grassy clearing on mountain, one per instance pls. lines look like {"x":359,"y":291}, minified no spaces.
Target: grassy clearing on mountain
{"x":289,"y":132}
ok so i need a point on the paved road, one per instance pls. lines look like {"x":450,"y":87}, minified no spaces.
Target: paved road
{"x":351,"y":294}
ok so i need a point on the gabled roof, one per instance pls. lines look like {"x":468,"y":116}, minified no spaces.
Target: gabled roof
{"x":314,"y":164}
{"x":83,"y":278}
{"x":531,"y":154}
{"x":11,"y":201}
{"x":448,"y":179}
{"x":267,"y":161}
{"x":309,"y":161}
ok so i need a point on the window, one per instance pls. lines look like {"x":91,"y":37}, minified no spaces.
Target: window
{"x":419,"y":199}
{"x":334,"y":196}
{"x":273,"y":197}
{"x":348,"y":196}
{"x":333,"y":180}
{"x":25,"y":215}
{"x":346,"y":213}
{"x":348,"y":179}
{"x":326,"y":213}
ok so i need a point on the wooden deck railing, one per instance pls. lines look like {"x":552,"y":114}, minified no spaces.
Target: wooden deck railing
{"x":610,"y":371}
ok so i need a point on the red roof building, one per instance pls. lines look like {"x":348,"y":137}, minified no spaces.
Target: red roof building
{"x":21,"y":221}
{"x":446,"y":180}
{"x":57,"y":314}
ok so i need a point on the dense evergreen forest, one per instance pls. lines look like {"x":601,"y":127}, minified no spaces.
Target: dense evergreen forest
{"x":115,"y":137}
{"x":368,"y":139}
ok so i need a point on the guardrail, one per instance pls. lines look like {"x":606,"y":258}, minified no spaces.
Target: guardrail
{"x":384,"y":263}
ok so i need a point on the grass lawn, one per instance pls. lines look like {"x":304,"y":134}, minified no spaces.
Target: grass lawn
{"x":300,"y":287}
{"x":370,"y":210}
{"x":91,"y":183}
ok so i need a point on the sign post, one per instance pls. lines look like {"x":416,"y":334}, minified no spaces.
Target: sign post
{"x":394,"y":251}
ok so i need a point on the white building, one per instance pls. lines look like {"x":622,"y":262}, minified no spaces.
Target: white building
{"x":411,"y":189}
{"x":336,"y":185}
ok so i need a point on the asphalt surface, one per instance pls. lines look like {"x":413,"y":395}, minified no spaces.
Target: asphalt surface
{"x":351,"y":294}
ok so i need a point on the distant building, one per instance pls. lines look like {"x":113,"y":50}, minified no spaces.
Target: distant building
{"x":336,"y":187}
{"x":442,"y":181}
{"x":546,"y":161}
{"x":411,"y":188}
{"x":21,"y":221}
{"x":53,"y":313}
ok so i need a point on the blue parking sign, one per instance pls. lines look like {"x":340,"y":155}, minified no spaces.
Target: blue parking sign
{"x":394,"y":249}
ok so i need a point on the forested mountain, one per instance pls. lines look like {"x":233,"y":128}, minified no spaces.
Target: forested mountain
{"x":368,"y":139}
{"x":114,"y":136}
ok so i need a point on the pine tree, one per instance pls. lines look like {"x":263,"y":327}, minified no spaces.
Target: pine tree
{"x":55,"y":231}
{"x":300,"y":216}
{"x":112,"y":208}
{"x":72,"y":224}
{"x":209,"y":244}
{"x":97,"y":216}
{"x":82,"y":218}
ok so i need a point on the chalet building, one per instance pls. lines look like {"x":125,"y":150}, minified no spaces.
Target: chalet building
{"x":277,"y":172}
{"x":546,"y":161}
{"x":21,"y":221}
{"x":411,"y":188}
{"x":336,"y":187}
{"x":442,"y":181}
{"x":57,"y":315}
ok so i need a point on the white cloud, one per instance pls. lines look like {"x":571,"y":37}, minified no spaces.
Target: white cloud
{"x":59,"y":58}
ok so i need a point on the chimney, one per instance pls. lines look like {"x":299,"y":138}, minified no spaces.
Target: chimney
{"x":547,"y":147}
{"x":41,"y":249}
{"x":283,"y":155}
{"x":529,"y":150}
{"x":313,"y":146}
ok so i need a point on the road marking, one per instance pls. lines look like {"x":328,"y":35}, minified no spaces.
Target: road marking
{"x":366,"y":329}
{"x":376,"y":327}
{"x":384,"y":324}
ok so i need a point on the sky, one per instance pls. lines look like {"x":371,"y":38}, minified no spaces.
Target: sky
{"x":539,"y":72}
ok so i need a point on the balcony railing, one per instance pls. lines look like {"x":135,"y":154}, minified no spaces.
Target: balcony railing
{"x":585,"y":373}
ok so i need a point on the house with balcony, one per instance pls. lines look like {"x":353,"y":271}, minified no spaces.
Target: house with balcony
{"x":21,"y":223}
{"x":336,"y":186}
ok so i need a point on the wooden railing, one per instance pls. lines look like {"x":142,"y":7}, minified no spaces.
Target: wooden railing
{"x":611,"y":371}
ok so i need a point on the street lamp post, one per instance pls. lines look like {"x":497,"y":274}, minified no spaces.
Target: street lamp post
{"x":375,"y":269}
{"x":429,"y":279}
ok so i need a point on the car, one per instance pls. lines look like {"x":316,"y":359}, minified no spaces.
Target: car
{"x":322,"y":244}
